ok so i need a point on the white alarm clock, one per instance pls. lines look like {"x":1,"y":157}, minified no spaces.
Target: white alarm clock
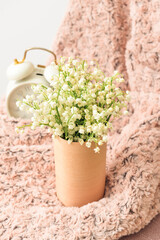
{"x":21,"y":76}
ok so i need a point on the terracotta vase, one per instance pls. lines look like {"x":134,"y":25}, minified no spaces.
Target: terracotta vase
{"x":80,"y":172}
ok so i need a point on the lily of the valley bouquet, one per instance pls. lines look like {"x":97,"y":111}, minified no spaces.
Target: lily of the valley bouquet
{"x":79,"y":104}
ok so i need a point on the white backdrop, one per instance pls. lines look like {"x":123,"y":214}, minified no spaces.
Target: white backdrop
{"x":25,"y":24}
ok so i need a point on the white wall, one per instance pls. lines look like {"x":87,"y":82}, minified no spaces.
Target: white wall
{"x":25,"y":24}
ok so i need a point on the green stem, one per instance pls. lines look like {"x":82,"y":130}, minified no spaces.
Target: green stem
{"x":58,"y":111}
{"x":23,"y":126}
{"x":58,"y":116}
{"x":29,"y":105}
{"x":109,"y":117}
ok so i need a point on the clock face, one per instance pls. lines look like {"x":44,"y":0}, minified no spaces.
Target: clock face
{"x":19,"y":93}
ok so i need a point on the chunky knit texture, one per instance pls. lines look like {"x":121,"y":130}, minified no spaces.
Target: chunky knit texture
{"x":29,"y":208}
{"x":121,"y":35}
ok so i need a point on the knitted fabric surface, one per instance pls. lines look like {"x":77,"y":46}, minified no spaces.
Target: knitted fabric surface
{"x":29,"y":208}
{"x":122,"y":36}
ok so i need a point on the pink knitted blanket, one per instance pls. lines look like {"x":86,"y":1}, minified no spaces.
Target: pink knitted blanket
{"x":29,"y":208}
{"x":122,"y":35}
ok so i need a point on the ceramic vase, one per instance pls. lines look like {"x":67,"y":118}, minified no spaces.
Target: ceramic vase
{"x":80,"y":172}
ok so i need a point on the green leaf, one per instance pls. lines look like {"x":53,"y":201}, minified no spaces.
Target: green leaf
{"x":69,"y":84}
{"x":57,"y":119}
